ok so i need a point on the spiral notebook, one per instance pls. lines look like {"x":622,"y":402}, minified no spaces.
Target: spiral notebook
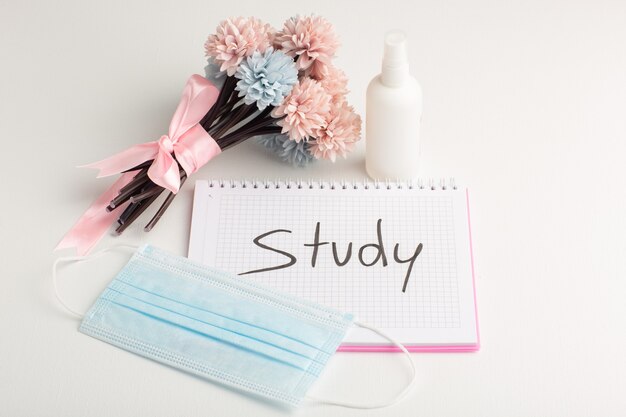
{"x":397,"y":255}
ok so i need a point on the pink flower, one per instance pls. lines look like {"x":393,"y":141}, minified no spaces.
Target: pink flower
{"x":311,"y":40}
{"x":335,"y":83}
{"x":304,"y":110}
{"x":237,"y":38}
{"x":338,"y":136}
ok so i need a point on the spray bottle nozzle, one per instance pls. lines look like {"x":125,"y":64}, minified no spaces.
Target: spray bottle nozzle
{"x":395,"y":49}
{"x":395,"y":68}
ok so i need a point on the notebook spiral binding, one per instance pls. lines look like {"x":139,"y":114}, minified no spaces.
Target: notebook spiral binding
{"x":419,"y":184}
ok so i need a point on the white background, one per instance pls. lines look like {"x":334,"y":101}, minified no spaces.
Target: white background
{"x":525,"y":103}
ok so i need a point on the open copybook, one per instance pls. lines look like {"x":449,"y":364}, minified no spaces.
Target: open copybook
{"x":397,"y":255}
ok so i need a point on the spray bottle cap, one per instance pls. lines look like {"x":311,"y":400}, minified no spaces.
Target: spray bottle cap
{"x":395,"y":61}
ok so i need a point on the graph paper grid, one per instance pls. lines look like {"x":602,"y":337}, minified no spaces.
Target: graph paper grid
{"x":407,"y":218}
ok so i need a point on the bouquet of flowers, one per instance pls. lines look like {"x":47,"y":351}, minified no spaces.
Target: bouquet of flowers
{"x":279,"y":86}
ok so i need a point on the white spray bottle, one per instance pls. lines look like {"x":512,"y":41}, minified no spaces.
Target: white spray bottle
{"x":393,"y":114}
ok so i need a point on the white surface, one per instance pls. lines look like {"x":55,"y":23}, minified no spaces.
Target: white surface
{"x":524,"y":102}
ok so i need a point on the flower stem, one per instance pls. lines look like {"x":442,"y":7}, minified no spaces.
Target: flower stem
{"x":124,"y":195}
{"x":138,"y":177}
{"x":245,"y":113}
{"x":268,"y":130}
{"x":152,"y":190}
{"x":136,"y":210}
{"x":246,"y":130}
{"x":226,"y":108}
{"x":221,"y":122}
{"x":257,"y":132}
{"x":164,"y":206}
{"x":228,"y":122}
{"x":225,"y":93}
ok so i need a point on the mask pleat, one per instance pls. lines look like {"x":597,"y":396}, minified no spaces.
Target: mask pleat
{"x":216,"y":325}
{"x":218,"y":320}
{"x":206,"y":329}
{"x":185,"y":324}
{"x":210,"y":297}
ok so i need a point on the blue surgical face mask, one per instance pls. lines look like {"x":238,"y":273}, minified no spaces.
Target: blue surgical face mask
{"x":218,"y":326}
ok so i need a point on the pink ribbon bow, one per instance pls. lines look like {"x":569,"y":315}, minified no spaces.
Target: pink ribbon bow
{"x":191,"y":144}
{"x":186,"y":139}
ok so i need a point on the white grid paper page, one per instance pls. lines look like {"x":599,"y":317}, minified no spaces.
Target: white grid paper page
{"x":437,"y":306}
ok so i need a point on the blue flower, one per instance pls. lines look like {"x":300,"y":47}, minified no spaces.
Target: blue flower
{"x":296,"y":153}
{"x":290,"y":151}
{"x":272,"y":142}
{"x":266,"y":78}
{"x":212,"y":73}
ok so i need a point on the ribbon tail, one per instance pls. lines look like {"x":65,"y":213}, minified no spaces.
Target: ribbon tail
{"x":125,"y":160}
{"x":164,"y":171}
{"x":94,"y":223}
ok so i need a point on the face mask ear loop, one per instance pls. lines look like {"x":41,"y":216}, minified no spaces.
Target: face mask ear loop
{"x":64,"y":259}
{"x":388,"y":403}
